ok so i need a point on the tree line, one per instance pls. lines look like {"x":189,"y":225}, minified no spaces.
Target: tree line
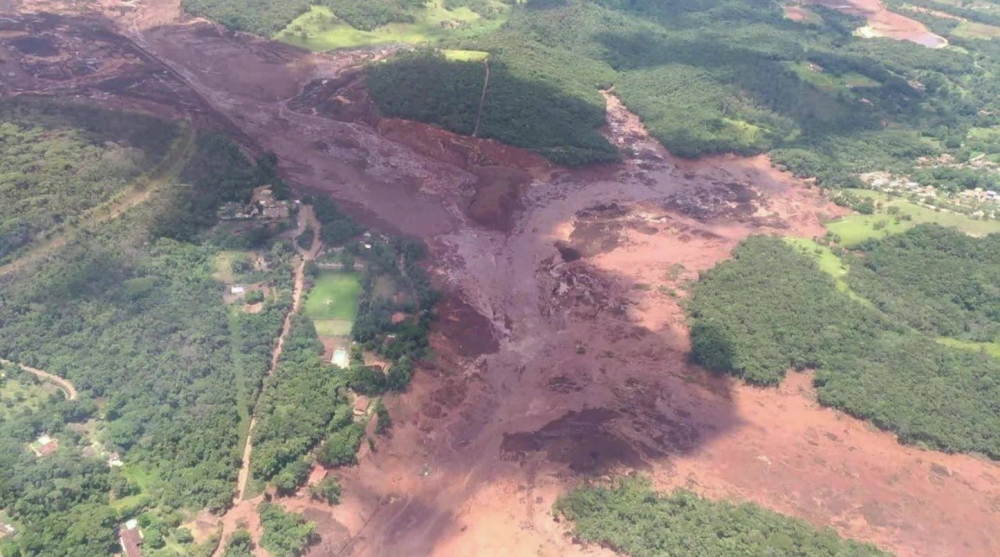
{"x":771,"y":309}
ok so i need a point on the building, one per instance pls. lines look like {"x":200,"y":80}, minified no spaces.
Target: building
{"x":6,"y":530}
{"x":130,"y":539}
{"x":44,"y":445}
{"x":361,"y":406}
{"x":237,"y":290}
{"x":266,"y":206}
{"x":115,"y":460}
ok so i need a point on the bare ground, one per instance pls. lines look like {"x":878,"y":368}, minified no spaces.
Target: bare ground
{"x":561,"y":349}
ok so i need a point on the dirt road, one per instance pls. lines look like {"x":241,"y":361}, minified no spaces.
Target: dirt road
{"x":244,"y":509}
{"x":64,"y":385}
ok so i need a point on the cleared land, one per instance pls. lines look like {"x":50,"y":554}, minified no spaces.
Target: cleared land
{"x":856,"y":228}
{"x":319,"y":29}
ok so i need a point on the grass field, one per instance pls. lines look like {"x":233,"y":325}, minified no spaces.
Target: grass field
{"x":333,"y":327}
{"x":828,"y":263}
{"x":334,"y":297}
{"x":854,"y":229}
{"x":991,"y":348}
{"x":16,"y":396}
{"x":975,"y":30}
{"x":466,"y":55}
{"x":828,"y":81}
{"x":319,"y":29}
{"x":224,"y":266}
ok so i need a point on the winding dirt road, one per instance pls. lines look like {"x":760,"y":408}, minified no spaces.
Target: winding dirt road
{"x":64,"y":385}
{"x":243,"y":509}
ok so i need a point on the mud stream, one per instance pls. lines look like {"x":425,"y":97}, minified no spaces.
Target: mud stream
{"x":560,"y":352}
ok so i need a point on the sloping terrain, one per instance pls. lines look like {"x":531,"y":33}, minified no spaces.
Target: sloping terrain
{"x":561,"y":348}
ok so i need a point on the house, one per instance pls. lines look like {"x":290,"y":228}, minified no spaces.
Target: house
{"x":237,"y":290}
{"x":264,"y":204}
{"x":130,"y":539}
{"x":6,"y":530}
{"x":361,"y":406}
{"x":115,"y":460}
{"x":44,"y":445}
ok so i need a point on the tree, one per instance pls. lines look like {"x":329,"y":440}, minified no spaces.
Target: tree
{"x":239,"y":544}
{"x":341,"y":447}
{"x":285,"y":534}
{"x":327,"y":490}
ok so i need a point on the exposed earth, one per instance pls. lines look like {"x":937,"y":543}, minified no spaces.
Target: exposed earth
{"x":560,"y":353}
{"x":885,"y":23}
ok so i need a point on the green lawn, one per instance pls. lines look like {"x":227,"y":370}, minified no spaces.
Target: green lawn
{"x":333,"y":327}
{"x":319,"y":29}
{"x":224,"y":265}
{"x":828,"y":81}
{"x":854,"y":229}
{"x":466,"y":55}
{"x":828,"y":263}
{"x":334,"y":296}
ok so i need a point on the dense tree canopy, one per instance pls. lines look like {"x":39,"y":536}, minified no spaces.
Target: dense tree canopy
{"x":771,"y":309}
{"x":137,"y":320}
{"x":285,"y":534}
{"x":631,"y":518}
{"x":58,"y":160}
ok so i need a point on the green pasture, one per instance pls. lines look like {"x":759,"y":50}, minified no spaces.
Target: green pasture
{"x":319,"y":29}
{"x":856,"y":228}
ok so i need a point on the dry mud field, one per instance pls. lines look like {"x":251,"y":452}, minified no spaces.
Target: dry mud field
{"x":560,"y":352}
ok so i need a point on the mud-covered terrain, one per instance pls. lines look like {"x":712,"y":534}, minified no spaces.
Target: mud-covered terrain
{"x":560,"y":351}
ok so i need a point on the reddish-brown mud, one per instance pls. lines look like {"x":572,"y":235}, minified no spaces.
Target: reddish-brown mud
{"x":884,"y":23}
{"x":561,"y":349}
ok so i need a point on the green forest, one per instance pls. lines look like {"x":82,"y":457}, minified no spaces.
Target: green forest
{"x":771,"y":309}
{"x":59,"y":160}
{"x":822,"y":102}
{"x":630,"y":517}
{"x":130,"y":312}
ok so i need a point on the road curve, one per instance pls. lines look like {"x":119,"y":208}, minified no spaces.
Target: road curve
{"x":64,"y":385}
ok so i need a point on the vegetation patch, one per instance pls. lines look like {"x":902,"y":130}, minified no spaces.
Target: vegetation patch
{"x":174,"y":397}
{"x":936,"y":280}
{"x":772,"y":309}
{"x":631,"y":518}
{"x":57,"y":161}
{"x":22,"y":393}
{"x":517,"y":108}
{"x":325,"y":28}
{"x":286,"y":534}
